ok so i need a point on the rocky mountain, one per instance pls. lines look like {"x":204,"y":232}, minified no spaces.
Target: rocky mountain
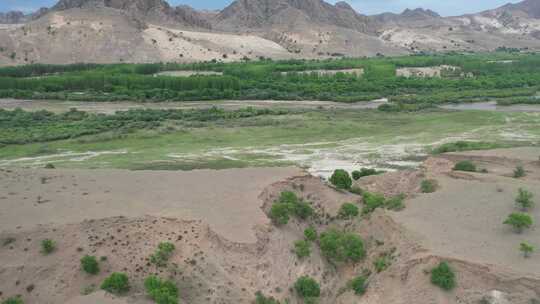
{"x":153,"y":30}
{"x":149,"y":10}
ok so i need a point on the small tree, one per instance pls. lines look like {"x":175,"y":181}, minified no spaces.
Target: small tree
{"x":310,"y":234}
{"x":465,"y":165}
{"x":161,"y":291}
{"x":302,"y":249}
{"x":358,"y":285}
{"x":116,"y":283}
{"x":524,"y":199}
{"x":519,"y":172}
{"x":341,"y":179}
{"x":162,"y":254}
{"x":341,"y":247}
{"x":526,"y":248}
{"x":519,"y":221}
{"x":348,"y":210}
{"x":48,"y":246}
{"x":307,"y":287}
{"x":90,"y":264}
{"x":443,"y":276}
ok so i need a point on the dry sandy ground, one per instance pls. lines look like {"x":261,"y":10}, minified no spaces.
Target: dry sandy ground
{"x":228,"y":199}
{"x":111,"y":107}
{"x":463,"y":219}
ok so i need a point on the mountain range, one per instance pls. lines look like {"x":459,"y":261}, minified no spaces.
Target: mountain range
{"x":152,"y":30}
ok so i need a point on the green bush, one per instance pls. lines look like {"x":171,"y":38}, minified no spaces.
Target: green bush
{"x":310,"y":234}
{"x":15,"y":300}
{"x":465,"y":165}
{"x":443,"y":276}
{"x":48,"y":246}
{"x":519,"y":221}
{"x":289,"y":204}
{"x":524,"y":199}
{"x":307,"y":287}
{"x":341,"y":247}
{"x":116,"y":283}
{"x":341,"y":179}
{"x":162,"y":254}
{"x":261,"y":299}
{"x":358,"y":285}
{"x":348,"y":210}
{"x":303,"y":210}
{"x":395,"y":203}
{"x":372,"y":201}
{"x":90,"y":264}
{"x":279,"y":213}
{"x":526,"y":248}
{"x":356,"y":190}
{"x":381,"y":263}
{"x":428,"y":186}
{"x":161,"y":291}
{"x":302,"y":249}
{"x":356,"y":175}
{"x":519,"y":172}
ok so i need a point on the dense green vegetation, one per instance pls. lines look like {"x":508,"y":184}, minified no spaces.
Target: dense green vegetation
{"x":116,"y":283}
{"x":465,"y":165}
{"x":162,"y":254}
{"x":15,"y":300}
{"x":161,"y":291}
{"x":338,"y":246}
{"x":516,"y":81}
{"x":359,"y":285}
{"x":443,"y":276}
{"x":289,"y":204}
{"x":341,"y":179}
{"x":519,"y":221}
{"x":90,"y":264}
{"x":307,"y":288}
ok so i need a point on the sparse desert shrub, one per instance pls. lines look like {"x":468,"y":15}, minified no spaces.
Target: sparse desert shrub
{"x":302,"y":249}
{"x":519,"y":221}
{"x":524,"y":199}
{"x":88,"y":289}
{"x":90,"y":264}
{"x":381,"y":263}
{"x":279,"y":213}
{"x":428,"y":186}
{"x":162,"y":254}
{"x":465,"y":165}
{"x":356,"y":190}
{"x":14,"y":300}
{"x":348,"y":211}
{"x":116,"y":283}
{"x":341,"y":247}
{"x":519,"y":172}
{"x":7,"y":241}
{"x":341,"y":179}
{"x":310,"y":234}
{"x":358,"y":285}
{"x":307,"y":287}
{"x":48,"y":246}
{"x":526,"y":248}
{"x":443,"y":276}
{"x":372,"y":201}
{"x":395,"y":203}
{"x":261,"y":299}
{"x":161,"y":291}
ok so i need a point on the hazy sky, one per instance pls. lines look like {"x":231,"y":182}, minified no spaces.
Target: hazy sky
{"x":444,"y":7}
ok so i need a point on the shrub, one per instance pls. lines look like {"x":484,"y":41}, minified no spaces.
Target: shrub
{"x":302,"y":249}
{"x":526,"y":248}
{"x":303,"y":210}
{"x":288,"y":197}
{"x":443,"y":276}
{"x":519,"y":221}
{"x":341,"y":179}
{"x":524,"y":199}
{"x":428,"y":186}
{"x":14,"y":300}
{"x":356,"y":175}
{"x":372,"y":201}
{"x":279,"y":213}
{"x":48,"y":246}
{"x":307,"y":287}
{"x":358,"y":285}
{"x":161,"y":291}
{"x":261,"y":299}
{"x":310,"y":234}
{"x":519,"y":172}
{"x":116,"y":283}
{"x":381,"y":263}
{"x":341,"y":247}
{"x":465,"y":165}
{"x":90,"y":264}
{"x":348,"y":210}
{"x":162,"y":254}
{"x":49,"y":166}
{"x":395,"y":203}
{"x":288,"y":204}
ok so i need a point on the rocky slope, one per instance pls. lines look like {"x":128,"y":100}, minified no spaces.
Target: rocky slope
{"x":292,"y":29}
